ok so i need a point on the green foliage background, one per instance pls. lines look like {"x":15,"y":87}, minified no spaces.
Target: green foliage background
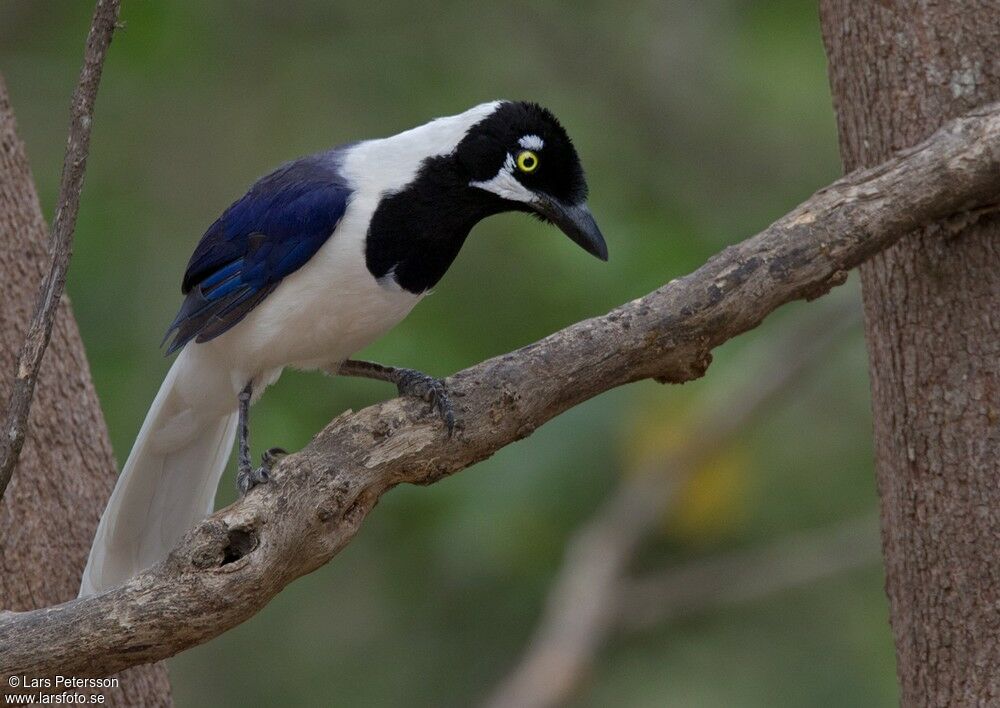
{"x":698,"y":122}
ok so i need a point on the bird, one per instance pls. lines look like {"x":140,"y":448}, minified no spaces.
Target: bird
{"x":317,"y":260}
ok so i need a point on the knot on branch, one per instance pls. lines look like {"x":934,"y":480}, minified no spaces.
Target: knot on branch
{"x":242,"y":542}
{"x":335,"y":501}
{"x":506,"y":402}
{"x":835,"y":279}
{"x":687,"y":368}
{"x":217,"y":544}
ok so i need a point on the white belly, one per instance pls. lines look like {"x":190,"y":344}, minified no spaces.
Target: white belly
{"x":318,"y":316}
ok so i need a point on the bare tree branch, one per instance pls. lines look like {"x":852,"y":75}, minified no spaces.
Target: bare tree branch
{"x":234,"y":562}
{"x":60,"y":238}
{"x":742,"y":576}
{"x":580,"y":612}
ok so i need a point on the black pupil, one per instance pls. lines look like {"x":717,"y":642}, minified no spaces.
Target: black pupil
{"x":529,"y":161}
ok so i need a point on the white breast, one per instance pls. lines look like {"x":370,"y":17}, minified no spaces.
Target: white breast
{"x":322,"y":313}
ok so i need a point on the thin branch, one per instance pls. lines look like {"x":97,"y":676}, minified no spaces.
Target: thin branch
{"x":791,"y":562}
{"x":233,"y":563}
{"x":60,"y":238}
{"x":580,"y":611}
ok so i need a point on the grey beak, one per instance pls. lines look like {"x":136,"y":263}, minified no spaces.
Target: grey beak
{"x":576,"y":221}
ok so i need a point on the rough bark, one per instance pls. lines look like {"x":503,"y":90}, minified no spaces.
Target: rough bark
{"x":898,"y":69}
{"x":234,"y":562}
{"x":66,"y":471}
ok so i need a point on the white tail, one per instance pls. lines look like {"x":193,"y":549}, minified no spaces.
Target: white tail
{"x":169,"y":480}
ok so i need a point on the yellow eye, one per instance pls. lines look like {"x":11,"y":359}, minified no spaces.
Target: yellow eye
{"x":527,"y":161}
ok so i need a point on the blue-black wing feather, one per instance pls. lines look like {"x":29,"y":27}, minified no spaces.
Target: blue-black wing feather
{"x":266,"y":235}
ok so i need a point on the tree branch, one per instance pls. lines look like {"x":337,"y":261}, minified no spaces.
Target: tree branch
{"x":742,"y":576}
{"x":234,"y":562}
{"x":60,"y":238}
{"x":580,"y":611}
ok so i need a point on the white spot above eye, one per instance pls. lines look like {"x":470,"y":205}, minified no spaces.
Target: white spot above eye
{"x":505,"y":185}
{"x":531,"y":142}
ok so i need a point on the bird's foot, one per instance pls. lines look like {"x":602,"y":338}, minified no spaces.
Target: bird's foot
{"x":247,"y":477}
{"x":411,"y":382}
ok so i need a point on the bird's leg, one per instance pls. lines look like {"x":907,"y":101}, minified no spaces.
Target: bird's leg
{"x":409,"y":382}
{"x":246,"y":476}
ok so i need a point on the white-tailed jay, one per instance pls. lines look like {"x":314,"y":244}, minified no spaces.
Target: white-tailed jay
{"x":320,"y":258}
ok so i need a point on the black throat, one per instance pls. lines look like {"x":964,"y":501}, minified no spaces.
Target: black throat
{"x":416,"y":233}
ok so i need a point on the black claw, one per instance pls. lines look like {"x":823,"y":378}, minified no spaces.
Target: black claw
{"x":443,"y":406}
{"x":429,"y":389}
{"x":247,"y":478}
{"x":244,"y":481}
{"x":271,"y":456}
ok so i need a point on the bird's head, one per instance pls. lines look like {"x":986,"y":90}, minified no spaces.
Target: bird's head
{"x":437,"y":181}
{"x":520,"y":158}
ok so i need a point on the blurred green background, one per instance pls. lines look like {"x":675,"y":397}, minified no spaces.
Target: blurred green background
{"x":698,"y":123}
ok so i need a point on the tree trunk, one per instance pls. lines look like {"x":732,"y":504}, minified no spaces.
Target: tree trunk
{"x":66,"y":471}
{"x":898,"y":69}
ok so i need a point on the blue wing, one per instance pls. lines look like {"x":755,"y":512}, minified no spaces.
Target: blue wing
{"x":269,"y":233}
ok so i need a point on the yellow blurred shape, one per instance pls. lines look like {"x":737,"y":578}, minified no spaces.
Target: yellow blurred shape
{"x":710,"y":504}
{"x":653,"y":435}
